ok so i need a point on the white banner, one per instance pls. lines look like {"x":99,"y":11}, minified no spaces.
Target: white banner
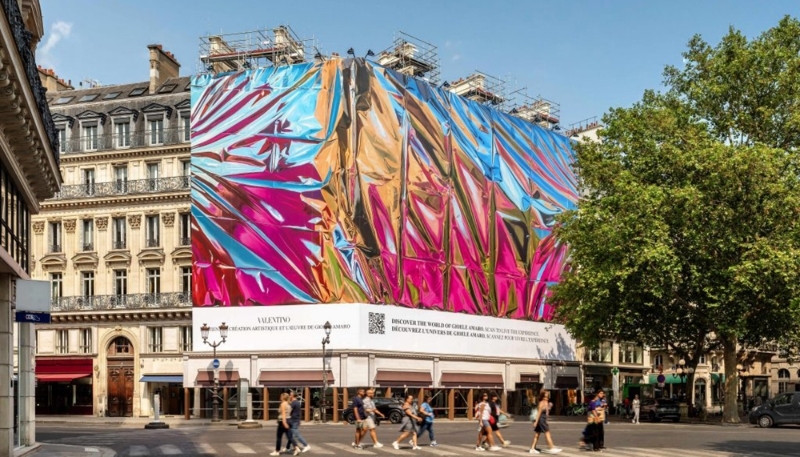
{"x":382,"y":328}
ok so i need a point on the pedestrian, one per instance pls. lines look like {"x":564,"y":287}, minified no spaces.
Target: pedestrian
{"x":408,"y":426}
{"x":606,"y":414}
{"x":637,"y":405}
{"x":372,"y":419}
{"x":360,"y":414}
{"x":284,"y":411}
{"x":496,"y":411}
{"x":598,"y":412}
{"x":484,"y":417}
{"x":540,"y":425}
{"x":427,"y":419}
{"x":294,"y":423}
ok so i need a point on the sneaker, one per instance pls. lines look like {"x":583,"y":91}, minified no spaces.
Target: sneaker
{"x":416,"y":448}
{"x":552,"y":450}
{"x":434,"y":443}
{"x":495,"y":448}
{"x":479,"y":448}
{"x":395,"y":445}
{"x":533,"y":451}
{"x":359,"y":447}
{"x":506,"y":443}
{"x":306,"y":449}
{"x":411,"y":443}
{"x":274,"y":453}
{"x":353,"y":444}
{"x":296,"y":451}
{"x":378,"y":445}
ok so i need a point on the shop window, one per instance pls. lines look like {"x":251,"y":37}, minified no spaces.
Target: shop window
{"x":601,"y":354}
{"x":62,"y":341}
{"x":86,"y":341}
{"x":154,"y":339}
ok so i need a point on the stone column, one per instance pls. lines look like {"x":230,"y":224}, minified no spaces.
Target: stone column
{"x":27,"y":383}
{"x":6,"y":371}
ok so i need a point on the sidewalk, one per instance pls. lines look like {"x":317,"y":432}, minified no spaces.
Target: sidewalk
{"x":63,"y":450}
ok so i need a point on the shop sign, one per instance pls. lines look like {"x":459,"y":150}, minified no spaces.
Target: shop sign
{"x":33,"y":318}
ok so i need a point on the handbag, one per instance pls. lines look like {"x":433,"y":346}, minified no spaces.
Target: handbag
{"x":534,"y":414}
{"x":492,"y":420}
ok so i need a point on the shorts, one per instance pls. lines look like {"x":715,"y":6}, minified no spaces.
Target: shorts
{"x":495,"y":427}
{"x":361,"y":425}
{"x":486,"y":424}
{"x":408,"y":426}
{"x":369,"y":423}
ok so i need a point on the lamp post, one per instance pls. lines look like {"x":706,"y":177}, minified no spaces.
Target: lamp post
{"x":325,"y":341}
{"x":223,"y":333}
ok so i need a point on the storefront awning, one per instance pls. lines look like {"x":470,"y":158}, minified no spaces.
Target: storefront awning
{"x":534,"y":378}
{"x":478,"y":380}
{"x":63,"y":365}
{"x":567,"y":382}
{"x":390,"y":378}
{"x":293,"y":378}
{"x":173,"y":378}
{"x":61,"y":377}
{"x":668,"y":379}
{"x":717,"y":378}
{"x":226,"y":378}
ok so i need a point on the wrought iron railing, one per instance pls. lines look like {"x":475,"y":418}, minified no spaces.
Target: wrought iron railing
{"x":55,"y":248}
{"x":185,"y":241}
{"x":152,"y":243}
{"x":108,"y":142}
{"x":118,"y":244}
{"x":114,"y":188}
{"x":129,"y":301}
{"x":88,"y":247}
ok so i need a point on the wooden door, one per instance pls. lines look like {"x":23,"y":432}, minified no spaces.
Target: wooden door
{"x":120,"y":389}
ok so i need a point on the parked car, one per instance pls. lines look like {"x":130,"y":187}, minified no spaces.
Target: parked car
{"x":781,"y":410}
{"x":655,"y":410}
{"x":391,"y":408}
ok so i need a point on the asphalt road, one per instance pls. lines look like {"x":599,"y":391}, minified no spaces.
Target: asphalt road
{"x":622,"y":439}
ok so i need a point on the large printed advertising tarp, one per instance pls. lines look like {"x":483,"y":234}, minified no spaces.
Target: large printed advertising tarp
{"x":342,"y":182}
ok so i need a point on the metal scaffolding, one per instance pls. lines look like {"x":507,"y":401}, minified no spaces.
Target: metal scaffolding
{"x":413,"y":57}
{"x":581,"y":126}
{"x":255,"y":49}
{"x":482,"y":88}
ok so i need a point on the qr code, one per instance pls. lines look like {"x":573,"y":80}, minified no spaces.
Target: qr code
{"x":377,"y":323}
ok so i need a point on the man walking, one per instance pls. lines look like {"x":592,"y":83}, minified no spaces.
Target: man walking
{"x":636,"y":407}
{"x":371,"y":419}
{"x":294,"y":423}
{"x":598,"y":406}
{"x":358,"y":411}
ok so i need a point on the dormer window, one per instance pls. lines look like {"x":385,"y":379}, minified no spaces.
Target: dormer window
{"x":89,"y":136}
{"x":156,"y":130}
{"x":62,"y":138}
{"x":122,"y":128}
{"x":137,"y":91}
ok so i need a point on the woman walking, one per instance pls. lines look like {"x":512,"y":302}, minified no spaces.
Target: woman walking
{"x":494,"y":403}
{"x":540,"y":425}
{"x":408,"y":426}
{"x":484,"y":416}
{"x":284,"y":411}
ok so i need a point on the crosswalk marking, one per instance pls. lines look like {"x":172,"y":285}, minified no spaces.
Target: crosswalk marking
{"x":346,"y":448}
{"x":169,"y":449}
{"x":317,"y":449}
{"x":139,"y":451}
{"x":437,"y":451}
{"x":462,"y":449}
{"x":241,"y":448}
{"x":205,"y":448}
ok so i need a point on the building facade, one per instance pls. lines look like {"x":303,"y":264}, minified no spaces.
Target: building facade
{"x":28,"y":174}
{"x":114,"y":246}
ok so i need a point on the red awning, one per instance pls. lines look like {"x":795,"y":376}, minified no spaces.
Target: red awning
{"x":478,"y":380}
{"x":391,"y":378}
{"x":63,"y":365}
{"x":61,"y":377}
{"x":292,"y":378}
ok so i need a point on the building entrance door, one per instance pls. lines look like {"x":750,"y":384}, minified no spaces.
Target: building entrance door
{"x":119,"y":367}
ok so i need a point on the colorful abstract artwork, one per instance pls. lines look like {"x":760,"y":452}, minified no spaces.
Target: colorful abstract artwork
{"x":345,"y":182}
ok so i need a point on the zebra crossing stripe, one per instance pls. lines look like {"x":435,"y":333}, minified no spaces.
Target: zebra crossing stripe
{"x":350,"y":449}
{"x":437,"y":451}
{"x":241,"y":448}
{"x":461,"y":450}
{"x":317,"y":449}
{"x":169,"y":449}
{"x":204,"y":448}
{"x":136,"y":451}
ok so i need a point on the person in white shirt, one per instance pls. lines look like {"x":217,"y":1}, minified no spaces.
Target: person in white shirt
{"x":484,"y":415}
{"x":636,"y":408}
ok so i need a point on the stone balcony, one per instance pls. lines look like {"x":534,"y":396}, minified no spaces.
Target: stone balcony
{"x":132,"y":140}
{"x":120,"y":188}
{"x":121,"y":302}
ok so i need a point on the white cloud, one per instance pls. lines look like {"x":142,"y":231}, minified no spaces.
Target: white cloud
{"x":456,"y":57}
{"x":59,"y":30}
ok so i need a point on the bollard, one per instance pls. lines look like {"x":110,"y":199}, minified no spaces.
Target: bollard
{"x":249,"y":423}
{"x":156,"y":424}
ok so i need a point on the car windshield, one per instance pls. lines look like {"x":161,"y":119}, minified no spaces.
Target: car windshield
{"x":666,"y":403}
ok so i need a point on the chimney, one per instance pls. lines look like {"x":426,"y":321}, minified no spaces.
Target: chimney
{"x":163,"y":66}
{"x":51,"y":81}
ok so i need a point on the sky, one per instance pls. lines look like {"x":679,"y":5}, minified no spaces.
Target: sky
{"x":587,"y":56}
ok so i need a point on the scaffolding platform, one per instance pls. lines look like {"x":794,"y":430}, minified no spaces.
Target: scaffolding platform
{"x":482,"y":88}
{"x":255,"y":49}
{"x":413,"y":57}
{"x":537,"y":110}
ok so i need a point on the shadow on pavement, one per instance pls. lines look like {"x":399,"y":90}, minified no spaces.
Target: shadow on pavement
{"x":755,"y":448}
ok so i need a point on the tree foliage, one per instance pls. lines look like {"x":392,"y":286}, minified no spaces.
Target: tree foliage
{"x":689,"y":233}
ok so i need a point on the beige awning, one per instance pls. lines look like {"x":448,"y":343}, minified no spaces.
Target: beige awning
{"x":293,"y":378}
{"x":392,"y":378}
{"x":478,"y":380}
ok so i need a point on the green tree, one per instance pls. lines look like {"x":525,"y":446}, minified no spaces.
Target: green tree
{"x":682,"y":240}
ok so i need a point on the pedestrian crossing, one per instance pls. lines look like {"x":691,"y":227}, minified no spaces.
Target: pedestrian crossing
{"x":444,"y":450}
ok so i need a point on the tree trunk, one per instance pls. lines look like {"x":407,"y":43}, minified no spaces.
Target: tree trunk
{"x":731,"y":411}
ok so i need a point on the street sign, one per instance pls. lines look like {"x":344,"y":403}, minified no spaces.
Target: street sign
{"x":215,"y":363}
{"x":615,"y":371}
{"x":35,"y":318}
{"x":661,"y":379}
{"x":661,"y":385}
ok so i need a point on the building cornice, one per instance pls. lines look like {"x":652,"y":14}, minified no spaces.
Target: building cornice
{"x":116,"y":154}
{"x":138,"y":199}
{"x":113,"y":317}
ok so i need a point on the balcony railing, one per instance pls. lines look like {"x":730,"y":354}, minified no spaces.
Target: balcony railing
{"x":185,"y":241}
{"x":88,"y":247}
{"x":118,"y":245}
{"x":116,"y":188}
{"x":55,"y":248}
{"x":130,"y":301}
{"x":152,"y":243}
{"x":109,"y":142}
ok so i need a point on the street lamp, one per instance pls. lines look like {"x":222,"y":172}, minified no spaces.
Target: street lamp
{"x":325,"y":342}
{"x":223,"y":333}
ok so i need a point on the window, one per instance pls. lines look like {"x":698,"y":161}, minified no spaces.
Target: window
{"x":56,"y":286}
{"x":151,"y":229}
{"x":186,"y":130}
{"x":702,"y":360}
{"x":87,"y":283}
{"x":90,"y":137}
{"x":86,"y":341}
{"x":152,"y":176}
{"x":167,"y":88}
{"x":156,"y":127}
{"x":600,"y":354}
{"x":63,"y":100}
{"x":186,"y":168}
{"x":120,"y":284}
{"x":88,"y":235}
{"x":62,"y":139}
{"x":631,"y":354}
{"x":186,"y":338}
{"x":137,"y":91}
{"x":111,"y":96}
{"x":783,"y":375}
{"x":121,"y":179}
{"x":186,"y":229}
{"x":153,"y":281}
{"x":55,"y":237}
{"x":118,"y":233}
{"x":154,"y":339}
{"x":186,"y":280}
{"x":87,"y":98}
{"x":88,"y":180}
{"x":62,"y":341}
{"x":123,"y":133}
{"x":658,"y":361}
